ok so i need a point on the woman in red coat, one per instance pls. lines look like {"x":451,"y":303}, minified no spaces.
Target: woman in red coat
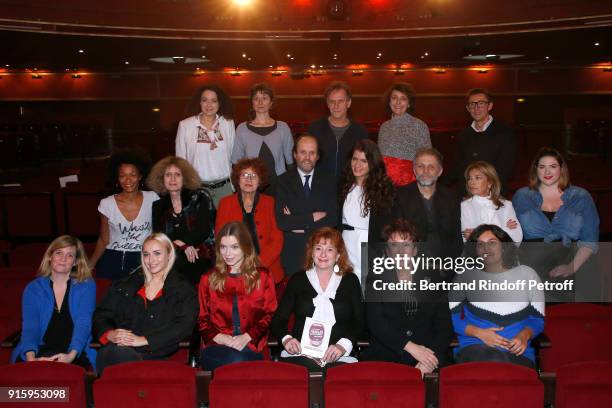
{"x":237,"y":301}
{"x":256,"y":211}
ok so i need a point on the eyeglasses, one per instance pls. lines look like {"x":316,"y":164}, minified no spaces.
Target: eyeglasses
{"x":481,"y":246}
{"x":480,"y":104}
{"x":248,"y":176}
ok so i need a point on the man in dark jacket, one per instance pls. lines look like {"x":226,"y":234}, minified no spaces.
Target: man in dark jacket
{"x":434,"y":209}
{"x":336,"y":133}
{"x":305,"y":200}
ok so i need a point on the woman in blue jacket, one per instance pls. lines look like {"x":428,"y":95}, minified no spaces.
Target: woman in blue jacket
{"x":58,"y":308}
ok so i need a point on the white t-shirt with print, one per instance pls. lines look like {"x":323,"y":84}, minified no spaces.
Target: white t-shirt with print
{"x":127,"y":235}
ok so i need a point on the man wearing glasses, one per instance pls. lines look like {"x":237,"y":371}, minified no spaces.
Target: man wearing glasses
{"x":485,"y":139}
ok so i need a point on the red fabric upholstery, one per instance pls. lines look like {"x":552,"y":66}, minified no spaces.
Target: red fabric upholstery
{"x":46,"y":374}
{"x":374,"y":384}
{"x":147,"y":384}
{"x":262,"y":384}
{"x":28,"y":255}
{"x":11,"y":290}
{"x":488,"y":384}
{"x":102,"y":286}
{"x":582,"y":385}
{"x":570,"y":325}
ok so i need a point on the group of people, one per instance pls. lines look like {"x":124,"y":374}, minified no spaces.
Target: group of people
{"x":248,"y":233}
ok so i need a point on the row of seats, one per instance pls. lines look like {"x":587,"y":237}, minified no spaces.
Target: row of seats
{"x":269,"y":385}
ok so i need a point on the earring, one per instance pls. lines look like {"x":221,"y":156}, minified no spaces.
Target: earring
{"x":336,"y":268}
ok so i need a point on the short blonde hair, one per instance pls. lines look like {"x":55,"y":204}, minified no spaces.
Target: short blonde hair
{"x":155,"y":181}
{"x":165,"y":241}
{"x":80,"y":271}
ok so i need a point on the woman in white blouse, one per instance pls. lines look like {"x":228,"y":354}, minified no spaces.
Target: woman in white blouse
{"x":206,"y":139}
{"x":485,"y":205}
{"x":367,"y":195}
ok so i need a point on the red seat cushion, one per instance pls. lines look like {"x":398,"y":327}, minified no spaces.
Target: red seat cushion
{"x":147,"y":384}
{"x":490,"y":385}
{"x":374,"y":384}
{"x":586,"y":384}
{"x":262,"y":384}
{"x":46,"y":374}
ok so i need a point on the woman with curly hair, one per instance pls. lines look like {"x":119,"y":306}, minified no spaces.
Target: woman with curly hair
{"x":366,"y":196}
{"x":125,"y":217}
{"x":206,"y":139}
{"x":326,"y":291}
{"x":257,"y":212}
{"x":400,"y":137}
{"x":237,"y":300}
{"x":182,"y":213}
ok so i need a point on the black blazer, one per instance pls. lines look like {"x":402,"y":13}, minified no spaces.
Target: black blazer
{"x":195,"y":216}
{"x":390,"y":328}
{"x":409,"y":205}
{"x":334,"y":153}
{"x":290,"y":194}
{"x":348,"y":309}
{"x":164,"y":321}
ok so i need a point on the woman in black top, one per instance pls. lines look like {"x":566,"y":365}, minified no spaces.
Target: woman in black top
{"x":329,"y":283}
{"x":408,"y":326}
{"x":183,"y":214}
{"x":145,"y":315}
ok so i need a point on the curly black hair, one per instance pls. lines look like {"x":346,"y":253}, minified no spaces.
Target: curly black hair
{"x":378,"y":190}
{"x":226,"y":109}
{"x":136,"y":157}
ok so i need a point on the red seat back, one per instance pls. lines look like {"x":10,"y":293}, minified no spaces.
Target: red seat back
{"x":374,"y":384}
{"x":262,"y":384}
{"x":587,"y":384}
{"x":42,"y":374}
{"x":490,"y":385}
{"x":570,"y":325}
{"x":147,"y":384}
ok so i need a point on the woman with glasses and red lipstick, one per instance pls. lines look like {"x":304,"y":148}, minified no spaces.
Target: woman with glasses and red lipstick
{"x":256,"y":210}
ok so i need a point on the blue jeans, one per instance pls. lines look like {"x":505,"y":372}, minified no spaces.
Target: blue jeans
{"x":218,"y":355}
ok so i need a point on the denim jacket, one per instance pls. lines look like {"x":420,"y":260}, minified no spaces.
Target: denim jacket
{"x":576,"y":219}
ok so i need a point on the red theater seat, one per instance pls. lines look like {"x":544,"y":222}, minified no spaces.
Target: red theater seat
{"x":262,"y":384}
{"x":41,"y":374}
{"x":587,"y":384}
{"x":490,"y":385}
{"x":578,"y":332}
{"x":147,"y":384}
{"x":374,"y":384}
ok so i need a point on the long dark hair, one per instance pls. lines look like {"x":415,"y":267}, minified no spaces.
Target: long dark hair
{"x":378,"y":190}
{"x":226,"y":109}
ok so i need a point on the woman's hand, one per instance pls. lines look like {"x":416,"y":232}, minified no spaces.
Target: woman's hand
{"x":561,"y":271}
{"x":223,"y":339}
{"x":239,"y":342}
{"x":518,"y":345}
{"x":132,"y":340}
{"x":64,"y":357}
{"x":512,"y":224}
{"x":292,"y":346}
{"x":424,"y":369}
{"x":425,"y":356}
{"x":491,"y":338}
{"x":333,"y":353}
{"x":191,"y":253}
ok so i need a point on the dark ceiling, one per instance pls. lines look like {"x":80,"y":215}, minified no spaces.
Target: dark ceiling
{"x":49,"y":34}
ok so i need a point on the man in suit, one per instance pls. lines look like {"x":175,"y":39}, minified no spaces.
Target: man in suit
{"x":305,"y":200}
{"x":433,"y":208}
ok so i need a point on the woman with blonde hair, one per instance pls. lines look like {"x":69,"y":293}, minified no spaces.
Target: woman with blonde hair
{"x":145,"y":315}
{"x":484,"y":203}
{"x":57,"y":307}
{"x":328,"y":275}
{"x":237,"y":300}
{"x":183,"y":213}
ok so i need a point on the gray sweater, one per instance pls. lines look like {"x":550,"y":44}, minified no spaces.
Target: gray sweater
{"x":279,"y":141}
{"x":402,"y":136}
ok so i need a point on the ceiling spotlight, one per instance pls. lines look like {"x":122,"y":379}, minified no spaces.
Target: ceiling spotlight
{"x":596,"y":44}
{"x":7,"y":65}
{"x":127,"y":62}
{"x":547,"y":57}
{"x":244,"y":55}
{"x":288,"y":55}
{"x":178,"y":60}
{"x":242,"y":2}
{"x":358,"y":73}
{"x":36,"y":76}
{"x":292,"y":58}
{"x":320,"y":66}
{"x":426,"y":54}
{"x":155,"y":109}
{"x":313,"y":66}
{"x":76,"y":75}
{"x":492,"y":57}
{"x":520,"y":100}
{"x":81,"y":51}
{"x":203,"y":56}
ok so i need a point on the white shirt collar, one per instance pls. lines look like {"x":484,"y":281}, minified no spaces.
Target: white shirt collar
{"x":324,"y":310}
{"x":486,"y":125}
{"x":302,"y":174}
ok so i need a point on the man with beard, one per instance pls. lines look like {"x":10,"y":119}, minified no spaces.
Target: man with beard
{"x":305,"y":200}
{"x":433,"y":208}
